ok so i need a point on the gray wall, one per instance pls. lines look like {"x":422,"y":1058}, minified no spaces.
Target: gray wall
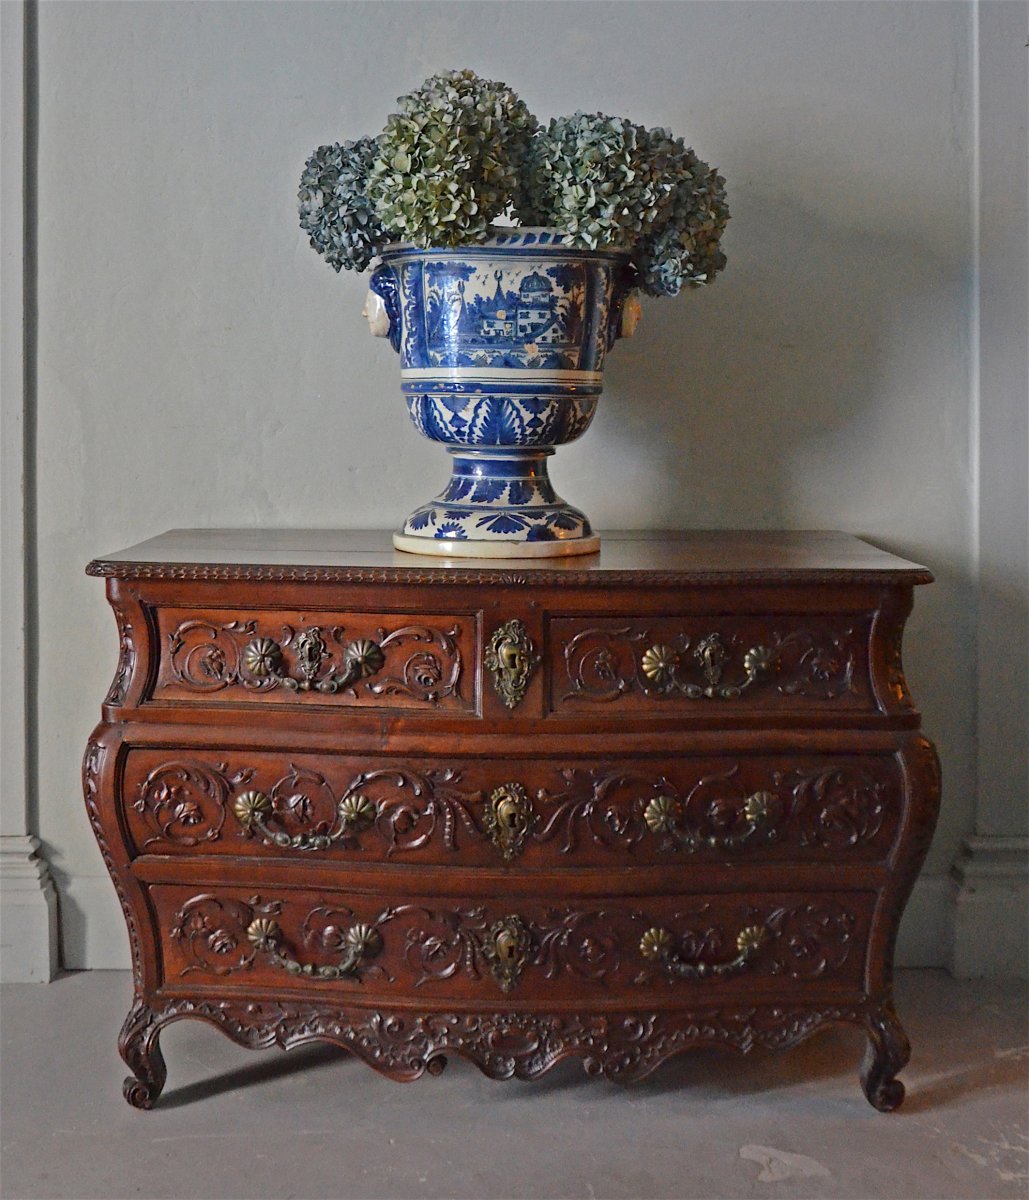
{"x":199,"y":365}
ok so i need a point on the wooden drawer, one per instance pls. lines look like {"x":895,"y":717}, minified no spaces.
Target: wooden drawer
{"x":402,"y":662}
{"x":709,"y":665}
{"x":516,"y":950}
{"x":533,"y":813}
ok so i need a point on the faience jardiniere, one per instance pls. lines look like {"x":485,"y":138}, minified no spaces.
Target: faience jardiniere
{"x":502,"y":349}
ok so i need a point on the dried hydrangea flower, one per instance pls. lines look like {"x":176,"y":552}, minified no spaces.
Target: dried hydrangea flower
{"x":451,"y":160}
{"x":607,"y":182}
{"x":600,"y":179}
{"x":686,"y":247}
{"x":334,"y":207}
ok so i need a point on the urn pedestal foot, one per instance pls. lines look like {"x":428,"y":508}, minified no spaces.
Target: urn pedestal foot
{"x":499,"y":503}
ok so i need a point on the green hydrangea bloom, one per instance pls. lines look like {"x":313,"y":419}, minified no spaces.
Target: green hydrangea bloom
{"x":451,"y":160}
{"x":607,"y":182}
{"x":600,"y":179}
{"x":334,"y":207}
{"x":686,"y":247}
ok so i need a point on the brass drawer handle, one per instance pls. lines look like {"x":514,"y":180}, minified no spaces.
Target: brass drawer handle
{"x":511,"y":658}
{"x":664,"y":815}
{"x":658,"y":945}
{"x":354,"y":812}
{"x":262,"y":658}
{"x":360,"y":942}
{"x":662,"y":666}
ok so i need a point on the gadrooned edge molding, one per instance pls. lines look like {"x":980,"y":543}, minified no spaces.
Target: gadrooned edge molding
{"x":461,"y":576}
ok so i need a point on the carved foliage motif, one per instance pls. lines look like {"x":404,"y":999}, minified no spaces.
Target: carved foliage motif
{"x":222,"y":935}
{"x":418,"y":662}
{"x":92,"y":766}
{"x":621,"y":1046}
{"x":213,"y":932}
{"x":185,"y":802}
{"x":606,"y":663}
{"x":126,"y":663}
{"x":838,"y":807}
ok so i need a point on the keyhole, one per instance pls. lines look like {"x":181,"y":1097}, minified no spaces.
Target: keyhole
{"x":508,"y":814}
{"x":511,"y":657}
{"x":506,"y":947}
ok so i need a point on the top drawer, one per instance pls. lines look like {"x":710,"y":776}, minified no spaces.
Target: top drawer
{"x":670,"y":666}
{"x":417,"y":662}
{"x":549,"y":660}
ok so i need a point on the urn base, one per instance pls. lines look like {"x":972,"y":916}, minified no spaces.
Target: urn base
{"x":476,"y":549}
{"x":499,"y":503}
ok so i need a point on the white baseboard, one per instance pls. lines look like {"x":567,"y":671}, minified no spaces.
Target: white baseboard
{"x":990,"y":909}
{"x":924,"y":937}
{"x":93,"y":933}
{"x":28,"y":913}
{"x":94,"y":929}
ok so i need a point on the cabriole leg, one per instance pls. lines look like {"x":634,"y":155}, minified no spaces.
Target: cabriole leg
{"x":138,"y":1045}
{"x":887,"y":1053}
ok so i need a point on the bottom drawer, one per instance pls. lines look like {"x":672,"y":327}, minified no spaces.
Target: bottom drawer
{"x":644,"y":949}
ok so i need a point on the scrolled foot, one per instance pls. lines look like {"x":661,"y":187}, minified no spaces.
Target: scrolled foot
{"x":138,"y":1045}
{"x":142,"y":1093}
{"x":887,"y":1053}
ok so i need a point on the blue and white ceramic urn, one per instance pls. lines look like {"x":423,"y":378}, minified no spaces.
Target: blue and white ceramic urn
{"x":502,"y":350}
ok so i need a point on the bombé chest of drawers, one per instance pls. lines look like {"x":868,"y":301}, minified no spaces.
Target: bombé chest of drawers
{"x":613,"y":807}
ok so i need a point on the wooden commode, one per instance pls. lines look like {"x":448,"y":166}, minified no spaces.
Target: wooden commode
{"x":617,"y":806}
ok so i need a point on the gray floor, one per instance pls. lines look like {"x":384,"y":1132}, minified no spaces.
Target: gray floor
{"x":316,"y":1123}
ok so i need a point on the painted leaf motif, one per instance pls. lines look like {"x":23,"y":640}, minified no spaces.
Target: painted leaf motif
{"x":433,"y":425}
{"x":487,"y":490}
{"x":497,"y":422}
{"x":503,"y":522}
{"x":520,"y":492}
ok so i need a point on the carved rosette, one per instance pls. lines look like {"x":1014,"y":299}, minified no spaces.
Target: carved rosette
{"x":811,"y":940}
{"x":840,"y":808}
{"x":184,"y":802}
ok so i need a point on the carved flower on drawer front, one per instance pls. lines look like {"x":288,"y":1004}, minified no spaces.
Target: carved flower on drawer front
{"x":722,"y":812}
{"x":757,"y":807}
{"x":262,"y":657}
{"x":659,"y":663}
{"x":222,"y":941}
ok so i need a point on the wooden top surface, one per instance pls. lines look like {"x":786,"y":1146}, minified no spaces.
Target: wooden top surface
{"x":367,"y":556}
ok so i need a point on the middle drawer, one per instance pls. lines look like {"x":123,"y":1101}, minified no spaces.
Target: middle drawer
{"x":756,"y":807}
